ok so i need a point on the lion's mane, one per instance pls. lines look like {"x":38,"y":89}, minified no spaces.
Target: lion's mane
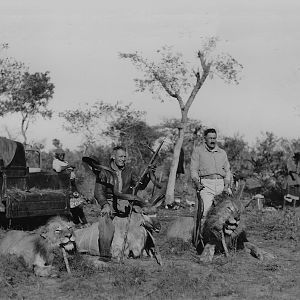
{"x":224,"y":216}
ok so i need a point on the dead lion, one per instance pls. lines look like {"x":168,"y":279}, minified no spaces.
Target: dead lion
{"x":223,"y":230}
{"x":37,"y":249}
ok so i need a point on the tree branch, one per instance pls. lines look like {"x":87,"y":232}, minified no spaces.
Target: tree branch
{"x":166,"y":88}
{"x":199,"y":82}
{"x":163,"y":83}
{"x":202,"y":60}
{"x":196,"y":73}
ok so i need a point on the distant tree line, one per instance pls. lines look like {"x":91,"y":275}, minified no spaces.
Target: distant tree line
{"x":103,"y":125}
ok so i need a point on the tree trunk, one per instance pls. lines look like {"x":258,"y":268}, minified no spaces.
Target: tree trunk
{"x":174,"y":165}
{"x":23,"y":130}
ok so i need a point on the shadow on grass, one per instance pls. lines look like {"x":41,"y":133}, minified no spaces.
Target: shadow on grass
{"x":175,"y":246}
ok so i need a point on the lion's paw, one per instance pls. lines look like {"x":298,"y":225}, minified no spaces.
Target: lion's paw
{"x":207,"y":254}
{"x":264,"y":255}
{"x":258,"y":252}
{"x":98,"y":264}
{"x":46,"y":271}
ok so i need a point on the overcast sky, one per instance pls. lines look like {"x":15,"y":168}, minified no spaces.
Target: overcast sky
{"x":79,"y":42}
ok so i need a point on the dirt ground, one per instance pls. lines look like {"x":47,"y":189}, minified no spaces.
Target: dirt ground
{"x":181,"y":277}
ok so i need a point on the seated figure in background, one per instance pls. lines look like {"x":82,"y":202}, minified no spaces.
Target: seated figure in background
{"x":60,"y":165}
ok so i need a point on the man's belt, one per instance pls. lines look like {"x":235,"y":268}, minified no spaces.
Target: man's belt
{"x":212,"y":176}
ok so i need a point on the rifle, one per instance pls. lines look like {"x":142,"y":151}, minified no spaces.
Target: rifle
{"x":134,"y":192}
{"x":197,"y":232}
{"x":145,"y":171}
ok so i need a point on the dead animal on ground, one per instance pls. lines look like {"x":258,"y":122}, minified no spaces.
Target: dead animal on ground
{"x":223,"y":230}
{"x":39,"y":248}
{"x":140,"y":238}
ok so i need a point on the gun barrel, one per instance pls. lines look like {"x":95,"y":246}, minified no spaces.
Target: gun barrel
{"x":149,"y":164}
{"x":156,"y":153}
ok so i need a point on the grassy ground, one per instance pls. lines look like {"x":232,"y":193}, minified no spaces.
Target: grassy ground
{"x":181,"y":277}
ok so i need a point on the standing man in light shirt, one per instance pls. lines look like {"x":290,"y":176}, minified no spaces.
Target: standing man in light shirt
{"x":210,"y":169}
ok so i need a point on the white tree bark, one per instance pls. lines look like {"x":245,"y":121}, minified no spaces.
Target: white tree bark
{"x":174,"y":165}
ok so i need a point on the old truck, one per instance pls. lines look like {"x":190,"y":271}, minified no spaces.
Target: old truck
{"x":28,"y":191}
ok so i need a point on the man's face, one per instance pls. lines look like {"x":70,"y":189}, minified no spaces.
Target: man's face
{"x":61,"y":156}
{"x":120,"y":158}
{"x":210,"y":140}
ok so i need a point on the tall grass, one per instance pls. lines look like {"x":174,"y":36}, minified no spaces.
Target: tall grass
{"x":13,"y":272}
{"x":276,"y":225}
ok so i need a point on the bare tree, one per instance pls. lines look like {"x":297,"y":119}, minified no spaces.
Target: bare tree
{"x":171,"y":76}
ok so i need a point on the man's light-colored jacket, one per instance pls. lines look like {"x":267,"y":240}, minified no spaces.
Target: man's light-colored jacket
{"x":205,"y":162}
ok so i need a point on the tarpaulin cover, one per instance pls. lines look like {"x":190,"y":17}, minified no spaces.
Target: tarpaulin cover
{"x":7,"y":150}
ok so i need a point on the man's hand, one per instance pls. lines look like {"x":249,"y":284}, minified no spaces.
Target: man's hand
{"x":198,"y":185}
{"x":227,"y":190}
{"x":106,"y":210}
{"x":152,"y":168}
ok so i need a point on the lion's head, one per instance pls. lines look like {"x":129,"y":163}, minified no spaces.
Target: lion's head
{"x":225,"y":211}
{"x":58,"y":232}
{"x":224,"y":216}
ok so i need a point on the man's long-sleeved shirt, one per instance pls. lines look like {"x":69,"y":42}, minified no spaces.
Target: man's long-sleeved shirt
{"x":205,"y":162}
{"x":59,"y":165}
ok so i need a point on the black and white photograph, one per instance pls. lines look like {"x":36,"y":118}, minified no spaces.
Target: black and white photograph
{"x":150,"y":149}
